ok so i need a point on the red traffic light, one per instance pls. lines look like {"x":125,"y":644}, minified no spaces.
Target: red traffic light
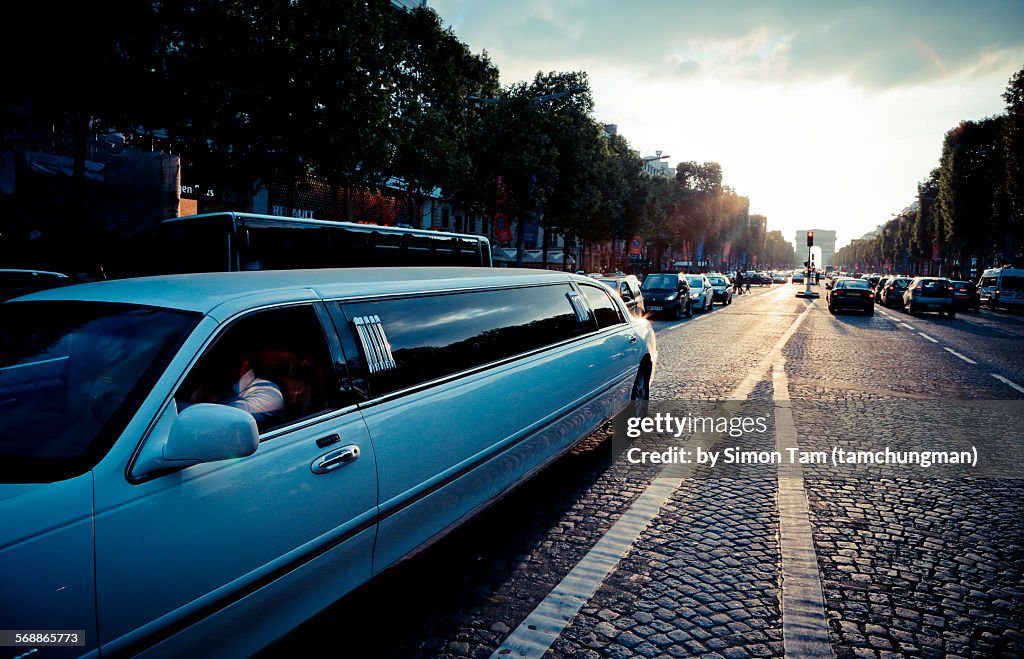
{"x":810,"y":239}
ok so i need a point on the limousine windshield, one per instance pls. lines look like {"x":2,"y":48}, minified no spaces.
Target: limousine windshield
{"x":71,"y":374}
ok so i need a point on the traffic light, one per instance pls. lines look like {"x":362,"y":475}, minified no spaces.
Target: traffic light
{"x":810,"y":239}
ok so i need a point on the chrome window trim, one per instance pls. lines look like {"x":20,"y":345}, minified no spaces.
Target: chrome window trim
{"x":576,"y":300}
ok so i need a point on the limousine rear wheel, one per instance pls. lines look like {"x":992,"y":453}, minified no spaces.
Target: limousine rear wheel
{"x":642,"y":384}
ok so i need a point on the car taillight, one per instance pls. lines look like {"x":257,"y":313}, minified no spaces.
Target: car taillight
{"x":918,"y":287}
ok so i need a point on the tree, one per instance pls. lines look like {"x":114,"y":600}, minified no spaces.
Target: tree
{"x":927,"y":219}
{"x":972,"y":175}
{"x":430,"y":116}
{"x":1013,"y":148}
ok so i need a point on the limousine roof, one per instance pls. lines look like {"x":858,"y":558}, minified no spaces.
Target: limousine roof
{"x":206,"y":291}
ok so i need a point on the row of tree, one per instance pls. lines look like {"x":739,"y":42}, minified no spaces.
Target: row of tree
{"x":970,"y":209}
{"x":359,"y":94}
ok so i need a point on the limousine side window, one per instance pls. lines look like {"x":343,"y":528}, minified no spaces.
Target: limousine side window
{"x":409,"y":341}
{"x":284,"y":349}
{"x":605,"y":310}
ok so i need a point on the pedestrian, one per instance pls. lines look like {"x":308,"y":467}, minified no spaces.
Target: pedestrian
{"x":738,"y":284}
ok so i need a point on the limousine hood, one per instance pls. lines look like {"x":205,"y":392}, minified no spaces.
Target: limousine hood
{"x":11,"y":490}
{"x":46,"y":556}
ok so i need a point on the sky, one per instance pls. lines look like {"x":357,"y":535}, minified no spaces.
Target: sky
{"x":825,"y":114}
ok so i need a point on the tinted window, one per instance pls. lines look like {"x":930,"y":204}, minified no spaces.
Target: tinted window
{"x":1012,"y":283}
{"x":438,"y":335}
{"x":268,"y":245}
{"x":605,"y":311}
{"x":71,"y":376}
{"x":204,"y":246}
{"x":716,"y":281}
{"x":661,"y":283}
{"x":695,"y":282}
{"x":273,"y":364}
{"x":854,"y":283}
{"x":988,"y":281}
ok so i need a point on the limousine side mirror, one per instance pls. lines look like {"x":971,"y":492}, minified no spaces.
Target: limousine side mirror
{"x":208,"y":432}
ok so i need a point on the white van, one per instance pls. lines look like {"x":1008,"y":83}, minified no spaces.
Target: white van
{"x":1002,"y":287}
{"x":150,"y":506}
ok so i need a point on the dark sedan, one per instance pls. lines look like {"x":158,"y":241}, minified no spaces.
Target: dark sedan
{"x":722,"y":287}
{"x":667,"y":294}
{"x":890,"y":293}
{"x":966,"y":296}
{"x":851,"y":294}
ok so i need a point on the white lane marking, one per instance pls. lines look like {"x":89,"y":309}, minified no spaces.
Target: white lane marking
{"x":804,"y":624}
{"x":907,"y":325}
{"x":927,"y":337}
{"x":535,"y":635}
{"x":966,"y":359}
{"x":1009,"y":382}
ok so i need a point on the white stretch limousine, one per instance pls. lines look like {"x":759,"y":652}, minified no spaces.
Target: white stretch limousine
{"x":199,"y":463}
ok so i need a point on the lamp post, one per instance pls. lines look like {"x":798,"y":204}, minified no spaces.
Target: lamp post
{"x":536,"y":100}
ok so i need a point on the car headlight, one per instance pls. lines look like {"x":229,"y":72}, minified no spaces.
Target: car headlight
{"x":694,"y":296}
{"x":672,"y":297}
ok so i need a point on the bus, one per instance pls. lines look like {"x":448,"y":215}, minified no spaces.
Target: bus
{"x":231,"y":241}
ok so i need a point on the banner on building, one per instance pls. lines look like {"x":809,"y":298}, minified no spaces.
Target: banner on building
{"x":502,"y":229}
{"x":636,"y":245}
{"x":531,"y":230}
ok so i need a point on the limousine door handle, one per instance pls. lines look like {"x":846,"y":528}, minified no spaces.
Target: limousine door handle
{"x":339,"y":458}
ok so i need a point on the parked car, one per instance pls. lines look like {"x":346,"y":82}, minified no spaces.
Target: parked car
{"x":930,"y":294}
{"x":966,"y":296}
{"x":139,"y":504}
{"x":628,"y":288}
{"x":847,"y":293}
{"x":15,"y":282}
{"x":876,"y":289}
{"x":1002,"y":287}
{"x":798,"y":277}
{"x":667,"y":294}
{"x":702,"y":295}
{"x":722,"y":288}
{"x":891,"y":293}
